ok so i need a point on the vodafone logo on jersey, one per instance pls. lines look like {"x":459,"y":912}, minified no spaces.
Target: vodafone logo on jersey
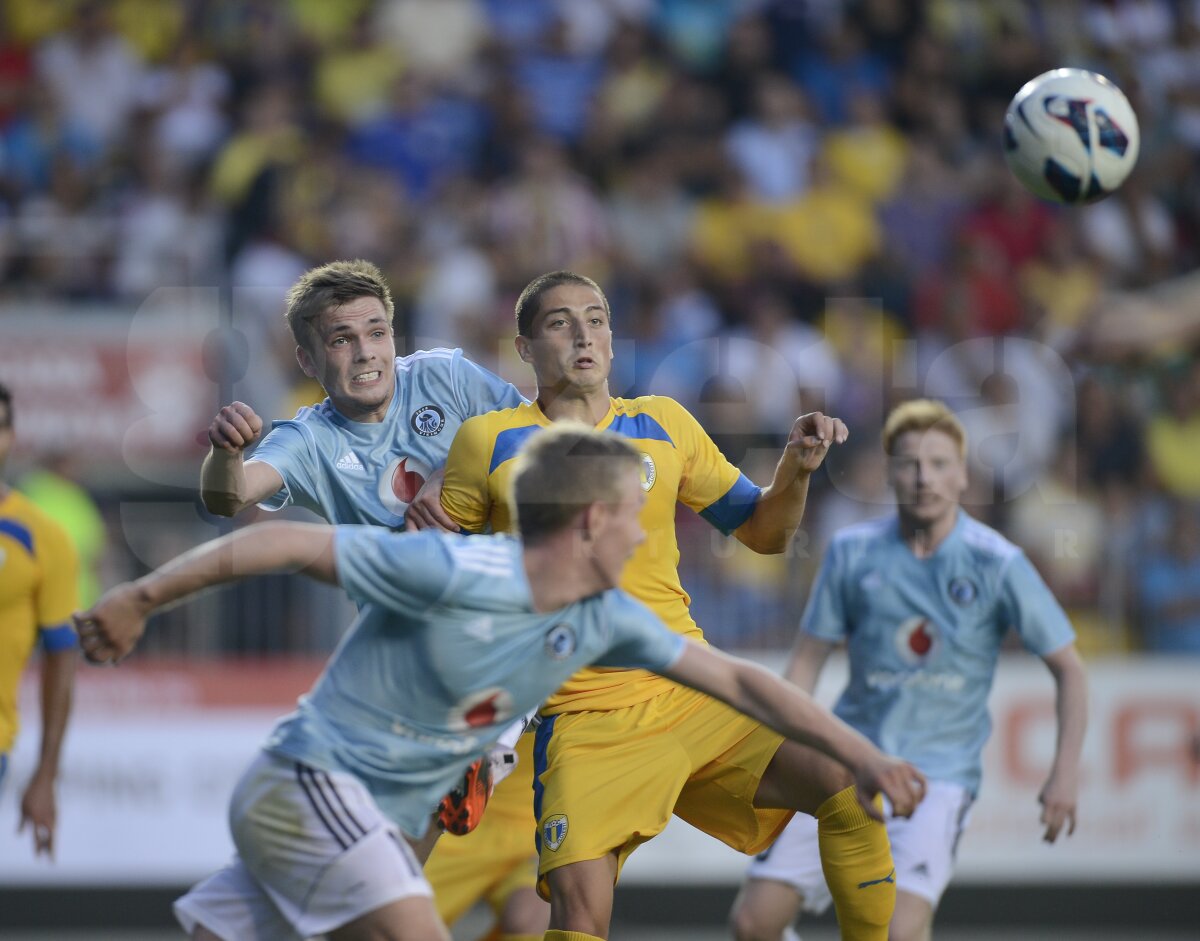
{"x":486,"y":707}
{"x":401,"y":481}
{"x":916,"y":640}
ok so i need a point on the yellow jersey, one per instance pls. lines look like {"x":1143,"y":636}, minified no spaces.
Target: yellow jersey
{"x":37,"y":596}
{"x":680,"y":464}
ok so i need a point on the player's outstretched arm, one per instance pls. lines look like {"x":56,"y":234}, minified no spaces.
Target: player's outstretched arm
{"x":227,"y":485}
{"x":762,"y":695}
{"x":1060,"y":793}
{"x":781,"y":505}
{"x":808,"y":658}
{"x":112,"y":627}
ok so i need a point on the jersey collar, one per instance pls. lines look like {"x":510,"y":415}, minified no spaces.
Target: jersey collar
{"x":952,"y":537}
{"x":601,"y":425}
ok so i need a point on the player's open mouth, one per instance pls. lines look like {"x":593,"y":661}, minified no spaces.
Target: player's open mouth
{"x":584,"y":362}
{"x":363,"y":378}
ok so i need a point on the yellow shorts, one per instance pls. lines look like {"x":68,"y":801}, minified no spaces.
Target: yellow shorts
{"x":496,"y":858}
{"x":610,"y":780}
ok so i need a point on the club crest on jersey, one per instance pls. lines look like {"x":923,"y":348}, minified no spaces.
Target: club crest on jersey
{"x":649,"y":471}
{"x":560,"y":641}
{"x":916,"y":640}
{"x":400,"y":482}
{"x":485,"y":707}
{"x":554,"y":831}
{"x":428,"y":420}
{"x":872,"y":581}
{"x":962,"y":591}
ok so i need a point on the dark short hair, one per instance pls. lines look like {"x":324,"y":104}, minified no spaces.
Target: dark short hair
{"x":564,"y":469}
{"x":530,"y":301}
{"x":331,"y":286}
{"x":6,"y":401}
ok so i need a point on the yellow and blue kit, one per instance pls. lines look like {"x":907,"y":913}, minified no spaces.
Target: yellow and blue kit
{"x":680,"y":463}
{"x":610,"y":734}
{"x":37,"y":596}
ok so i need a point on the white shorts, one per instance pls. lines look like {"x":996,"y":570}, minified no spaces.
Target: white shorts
{"x":923,"y":848}
{"x":314,"y":852}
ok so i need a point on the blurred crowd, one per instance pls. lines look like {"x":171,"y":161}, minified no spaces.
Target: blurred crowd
{"x":792,"y":204}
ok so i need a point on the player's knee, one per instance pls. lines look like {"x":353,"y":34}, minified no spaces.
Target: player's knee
{"x":906,"y":926}
{"x":835,"y":778}
{"x":749,"y":923}
{"x":525,"y":913}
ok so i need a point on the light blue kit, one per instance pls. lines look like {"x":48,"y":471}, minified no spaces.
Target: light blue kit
{"x":355,"y":472}
{"x":446,"y":652}
{"x":923,"y":636}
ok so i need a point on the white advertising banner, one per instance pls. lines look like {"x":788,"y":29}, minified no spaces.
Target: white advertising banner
{"x":153,"y":754}
{"x":1139,"y":805}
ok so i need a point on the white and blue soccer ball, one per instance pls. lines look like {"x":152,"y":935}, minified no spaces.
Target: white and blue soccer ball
{"x":1070,"y":136}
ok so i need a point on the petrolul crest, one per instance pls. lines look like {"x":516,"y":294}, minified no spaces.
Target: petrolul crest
{"x":649,"y":471}
{"x":554,"y":831}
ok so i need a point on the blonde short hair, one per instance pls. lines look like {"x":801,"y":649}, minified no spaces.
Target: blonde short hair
{"x":564,"y":469}
{"x":333,"y":285}
{"x":923,"y":415}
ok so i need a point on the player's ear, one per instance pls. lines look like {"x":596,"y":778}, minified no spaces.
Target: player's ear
{"x":524,"y":348}
{"x":590,"y":519}
{"x":307,"y":366}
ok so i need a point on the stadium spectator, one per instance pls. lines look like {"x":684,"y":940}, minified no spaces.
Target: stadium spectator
{"x":1173,"y":438}
{"x":774,"y":147}
{"x":54,"y":488}
{"x":93,"y":75}
{"x":1168,"y":585}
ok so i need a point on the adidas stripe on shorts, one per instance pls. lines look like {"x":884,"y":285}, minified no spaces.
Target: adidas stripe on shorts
{"x":314,"y":852}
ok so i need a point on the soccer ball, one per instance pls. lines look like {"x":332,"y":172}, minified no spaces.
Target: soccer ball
{"x":1070,"y":136}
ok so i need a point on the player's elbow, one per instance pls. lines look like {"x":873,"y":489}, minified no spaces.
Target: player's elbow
{"x":222,"y":504}
{"x":770,"y":543}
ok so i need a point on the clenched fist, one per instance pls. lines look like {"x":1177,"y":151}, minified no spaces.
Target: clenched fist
{"x":235,"y":428}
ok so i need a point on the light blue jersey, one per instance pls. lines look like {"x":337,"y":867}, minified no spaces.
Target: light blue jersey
{"x":446,"y":652}
{"x":356,"y":472}
{"x":923,"y":636}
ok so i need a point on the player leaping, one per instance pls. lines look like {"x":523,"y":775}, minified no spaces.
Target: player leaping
{"x":619,"y":751}
{"x":455,"y":638}
{"x":363,"y":456}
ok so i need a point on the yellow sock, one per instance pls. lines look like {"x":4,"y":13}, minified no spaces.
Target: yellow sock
{"x":554,"y":934}
{"x":857,"y":860}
